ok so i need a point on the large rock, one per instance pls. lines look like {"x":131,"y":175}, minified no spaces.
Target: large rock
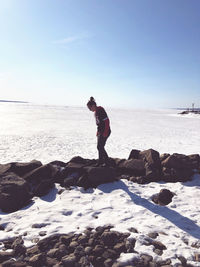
{"x":177,"y":168}
{"x":134,"y":154}
{"x":14,"y":192}
{"x":75,"y":167}
{"x":22,"y":169}
{"x":5,"y":168}
{"x":195,"y":160}
{"x":41,"y":179}
{"x":177,"y":161}
{"x":164,"y":197}
{"x":66,"y":175}
{"x":99,"y":175}
{"x":71,"y":180}
{"x":153,"y":170}
{"x":19,"y":168}
{"x":134,"y":167}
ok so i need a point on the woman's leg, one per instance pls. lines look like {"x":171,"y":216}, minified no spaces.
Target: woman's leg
{"x":103,"y":156}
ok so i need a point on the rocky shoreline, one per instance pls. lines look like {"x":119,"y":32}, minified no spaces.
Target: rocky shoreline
{"x":20,"y":182}
{"x":100,"y":247}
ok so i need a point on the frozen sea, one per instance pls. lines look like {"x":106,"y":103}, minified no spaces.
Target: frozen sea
{"x":48,"y":133}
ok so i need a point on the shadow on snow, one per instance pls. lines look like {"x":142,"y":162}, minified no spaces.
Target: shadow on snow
{"x":184,"y":223}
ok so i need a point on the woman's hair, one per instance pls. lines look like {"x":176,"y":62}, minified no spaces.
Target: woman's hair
{"x":91,"y":102}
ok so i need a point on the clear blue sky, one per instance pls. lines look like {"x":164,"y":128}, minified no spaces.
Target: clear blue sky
{"x":125,"y":53}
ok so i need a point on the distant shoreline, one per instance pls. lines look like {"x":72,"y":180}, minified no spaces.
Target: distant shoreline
{"x":12,"y":101}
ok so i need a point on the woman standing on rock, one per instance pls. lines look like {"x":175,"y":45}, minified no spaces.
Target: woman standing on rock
{"x":103,"y":130}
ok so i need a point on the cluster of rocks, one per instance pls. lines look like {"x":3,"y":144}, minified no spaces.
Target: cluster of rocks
{"x":100,"y":247}
{"x":20,"y":182}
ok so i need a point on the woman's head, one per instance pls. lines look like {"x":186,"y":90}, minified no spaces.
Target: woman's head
{"x":92,"y":104}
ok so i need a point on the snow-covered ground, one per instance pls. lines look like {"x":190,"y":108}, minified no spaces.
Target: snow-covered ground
{"x":50,"y":133}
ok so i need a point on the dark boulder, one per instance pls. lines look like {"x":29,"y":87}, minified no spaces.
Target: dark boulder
{"x":14,"y":192}
{"x":164,"y":156}
{"x":164,"y":197}
{"x":4,"y":256}
{"x":153,"y":170}
{"x":74,"y":167}
{"x":177,"y":168}
{"x":41,"y":179}
{"x":79,"y":160}
{"x":177,"y":161}
{"x":65,"y":176}
{"x":58,"y":163}
{"x":195,"y":160}
{"x":134,"y":167}
{"x":134,"y":154}
{"x":22,"y":169}
{"x":5,"y":168}
{"x":110,"y":238}
{"x":43,"y":188}
{"x":71,"y":180}
{"x":45,"y":172}
{"x":117,"y":161}
{"x":99,"y":175}
{"x":48,"y":243}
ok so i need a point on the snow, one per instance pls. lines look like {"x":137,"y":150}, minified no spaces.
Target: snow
{"x":50,"y":133}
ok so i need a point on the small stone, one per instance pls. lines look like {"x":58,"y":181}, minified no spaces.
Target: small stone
{"x":32,"y":250}
{"x":19,"y":249}
{"x":133,"y":230}
{"x":163,"y":233}
{"x":186,"y":241}
{"x":4,"y":255}
{"x":88,"y":250}
{"x":165,"y":262}
{"x":197,"y":257}
{"x":42,"y":233}
{"x":146,"y":258}
{"x":158,"y":251}
{"x":66,"y":239}
{"x":130,"y":244}
{"x":84,"y":261}
{"x":182,"y":260}
{"x":98,"y":250}
{"x":8,"y":242}
{"x":39,"y":225}
{"x":108,"y":262}
{"x":120,"y":247}
{"x":79,"y":251}
{"x":196,"y":244}
{"x":53,"y":253}
{"x":8,"y":263}
{"x":73,"y":244}
{"x":69,"y":261}
{"x":110,"y":238}
{"x":36,"y":259}
{"x":158,"y":245}
{"x":91,"y":241}
{"x":82,"y":239}
{"x":110,"y":254}
{"x":153,"y":264}
{"x":153,"y":235}
{"x":51,"y":261}
{"x":60,"y":191}
{"x":35,"y":240}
